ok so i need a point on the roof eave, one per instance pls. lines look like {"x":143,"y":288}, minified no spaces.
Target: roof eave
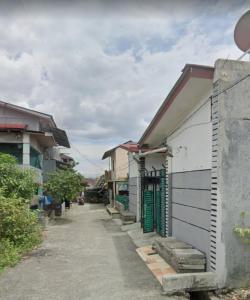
{"x":123,"y":146}
{"x":129,"y":149}
{"x":189,"y":70}
{"x":108,"y":153}
{"x":29,"y":111}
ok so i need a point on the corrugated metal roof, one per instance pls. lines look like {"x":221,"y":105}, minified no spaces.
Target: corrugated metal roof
{"x":60,"y":136}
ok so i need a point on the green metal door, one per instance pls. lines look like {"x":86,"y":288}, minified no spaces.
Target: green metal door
{"x":154,"y":202}
{"x":148,"y":211}
{"x":158,"y":206}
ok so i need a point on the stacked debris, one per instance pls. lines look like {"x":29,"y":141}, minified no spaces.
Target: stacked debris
{"x":181,"y":256}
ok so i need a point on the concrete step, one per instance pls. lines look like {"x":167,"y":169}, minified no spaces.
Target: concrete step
{"x":113,"y":212}
{"x":119,"y":206}
{"x":127,"y":222}
{"x":141,"y":239}
{"x":181,"y":256}
{"x":127,"y":216}
{"x":189,"y":282}
{"x":131,"y":226}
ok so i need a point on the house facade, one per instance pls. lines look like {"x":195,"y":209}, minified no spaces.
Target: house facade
{"x":203,"y":125}
{"x":117,"y":174}
{"x":140,"y":164}
{"x":32,"y":137}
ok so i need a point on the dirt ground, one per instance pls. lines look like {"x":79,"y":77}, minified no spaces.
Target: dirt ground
{"x":238,"y":294}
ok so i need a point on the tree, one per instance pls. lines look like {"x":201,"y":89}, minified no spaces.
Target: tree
{"x":64,"y":184}
{"x":15,"y":181}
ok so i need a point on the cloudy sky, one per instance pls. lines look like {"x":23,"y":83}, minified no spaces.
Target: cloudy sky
{"x":102,"y":68}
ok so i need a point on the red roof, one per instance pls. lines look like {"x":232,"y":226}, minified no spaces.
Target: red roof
{"x":131,"y":147}
{"x":13,"y":126}
{"x":134,"y":147}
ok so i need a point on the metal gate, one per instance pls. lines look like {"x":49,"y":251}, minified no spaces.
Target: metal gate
{"x":153,"y":201}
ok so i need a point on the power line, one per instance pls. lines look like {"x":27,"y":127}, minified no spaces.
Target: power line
{"x":86,"y":158}
{"x":81,"y":154}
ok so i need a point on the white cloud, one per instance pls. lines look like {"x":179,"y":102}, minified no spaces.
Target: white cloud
{"x":103,"y":75}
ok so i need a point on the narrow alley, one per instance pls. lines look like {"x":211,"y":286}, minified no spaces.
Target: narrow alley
{"x":84,"y":256}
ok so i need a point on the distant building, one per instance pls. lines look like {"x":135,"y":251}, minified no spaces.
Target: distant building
{"x":117,"y":175}
{"x":67,"y":160}
{"x":90,"y":182}
{"x":32,"y":137}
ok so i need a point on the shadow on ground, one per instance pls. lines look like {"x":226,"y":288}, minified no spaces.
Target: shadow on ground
{"x":109,"y":225}
{"x":41,"y":253}
{"x":95,"y":206}
{"x":61,"y":221}
{"x":134,"y":272}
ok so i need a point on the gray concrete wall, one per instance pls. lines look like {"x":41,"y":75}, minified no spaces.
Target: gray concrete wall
{"x":191,"y":193}
{"x":49,"y":165}
{"x":231,"y":170}
{"x":133,"y":195}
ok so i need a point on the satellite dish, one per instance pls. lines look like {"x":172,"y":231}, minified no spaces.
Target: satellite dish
{"x":242,"y":32}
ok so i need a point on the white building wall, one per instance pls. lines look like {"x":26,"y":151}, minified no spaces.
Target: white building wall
{"x":11,"y":137}
{"x":10,"y":116}
{"x":190,"y":178}
{"x":155,"y":161}
{"x":55,"y":153}
{"x":192,"y":143}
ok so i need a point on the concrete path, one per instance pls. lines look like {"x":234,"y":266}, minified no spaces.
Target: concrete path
{"x":85,"y":256}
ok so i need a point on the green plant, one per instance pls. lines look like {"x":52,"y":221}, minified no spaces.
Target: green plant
{"x":9,"y":255}
{"x":17,"y":221}
{"x":243,"y":230}
{"x":243,"y":233}
{"x":7,"y":159}
{"x":19,"y":230}
{"x":14,"y":180}
{"x":64,"y":184}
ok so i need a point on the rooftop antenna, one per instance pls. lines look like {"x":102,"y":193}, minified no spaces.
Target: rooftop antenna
{"x":242,"y":34}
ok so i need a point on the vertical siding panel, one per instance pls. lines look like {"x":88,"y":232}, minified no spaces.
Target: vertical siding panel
{"x":214,"y":179}
{"x":167,"y":201}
